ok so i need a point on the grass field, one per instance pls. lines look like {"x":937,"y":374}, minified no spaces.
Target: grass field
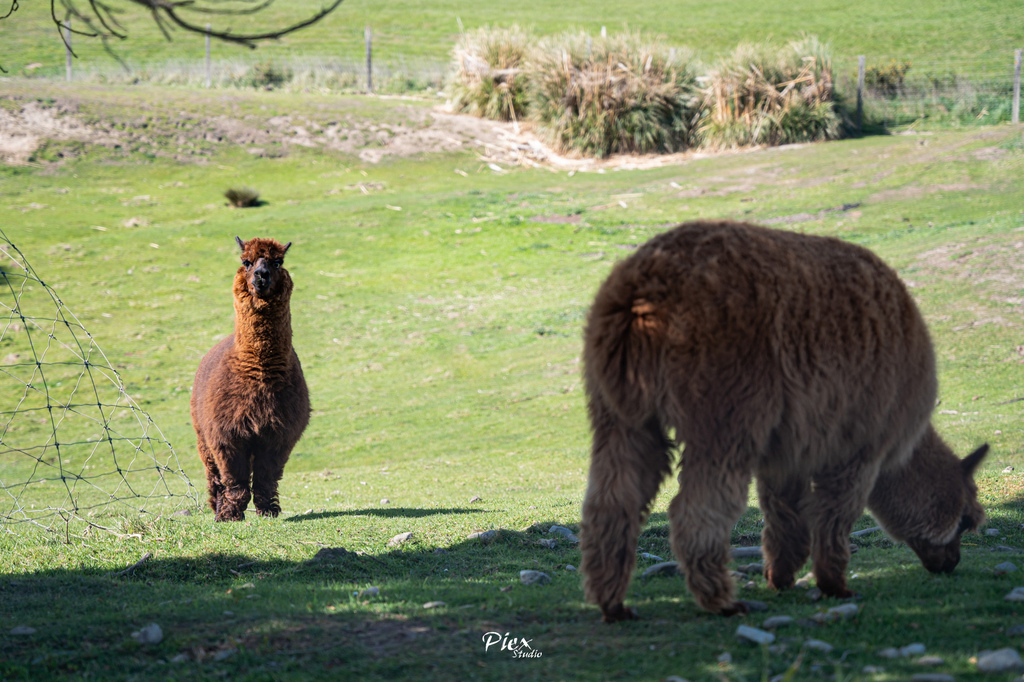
{"x":941,"y":36}
{"x":438,"y":316}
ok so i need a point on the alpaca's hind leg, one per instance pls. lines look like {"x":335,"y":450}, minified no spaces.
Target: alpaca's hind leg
{"x":235,"y":473}
{"x":712,"y":496}
{"x":628,"y":463}
{"x":786,"y":537}
{"x":213,"y":485}
{"x":837,"y":501}
{"x":266,"y":474}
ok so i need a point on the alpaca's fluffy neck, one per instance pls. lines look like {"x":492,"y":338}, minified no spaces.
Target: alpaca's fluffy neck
{"x":263,"y":331}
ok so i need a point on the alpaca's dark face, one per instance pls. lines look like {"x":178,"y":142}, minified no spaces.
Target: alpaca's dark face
{"x":263,"y":266}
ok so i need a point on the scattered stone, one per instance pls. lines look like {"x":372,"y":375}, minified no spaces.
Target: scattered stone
{"x":440,"y":550}
{"x":570,"y":567}
{"x":1000,"y":661}
{"x":676,"y":678}
{"x":725,"y":658}
{"x":750,"y":585}
{"x":151,"y":634}
{"x":474,"y":499}
{"x":1004,"y":568}
{"x":872,"y":670}
{"x":776,"y":622}
{"x":181,"y":512}
{"x":814,"y":594}
{"x":1008,"y":470}
{"x":805,"y":582}
{"x":550,"y":543}
{"x":746,"y":552}
{"x":866,"y":531}
{"x":331,"y":554}
{"x":399,"y":539}
{"x":932,"y":677}
{"x":930,"y":660}
{"x":564,"y":532}
{"x":1016,"y":594}
{"x":385,"y":501}
{"x":370,"y":592}
{"x":778,"y":650}
{"x":22,"y":630}
{"x":752,"y":569}
{"x":1005,"y":548}
{"x":1015,"y":630}
{"x":992,"y":532}
{"x":483,"y":536}
{"x":753,"y":605}
{"x":224,"y":655}
{"x":915,"y":649}
{"x":807,"y":623}
{"x":434,"y":604}
{"x":180,"y":658}
{"x":651,"y":557}
{"x":663,"y":568}
{"x":889,"y":652}
{"x":529,"y":577}
{"x":228,"y":614}
{"x":844,"y":611}
{"x":737,"y":576}
{"x":754,"y":635}
{"x":818,"y":645}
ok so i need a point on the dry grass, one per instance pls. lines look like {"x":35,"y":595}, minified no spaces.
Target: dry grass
{"x":488,"y":77}
{"x":612,"y":95}
{"x":764,"y":94}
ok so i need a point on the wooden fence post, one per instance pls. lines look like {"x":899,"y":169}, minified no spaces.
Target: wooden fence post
{"x":860,"y":92}
{"x":604,"y":32}
{"x":209,"y":75}
{"x":1016,"y":86}
{"x":368,"y":34}
{"x":67,"y":50}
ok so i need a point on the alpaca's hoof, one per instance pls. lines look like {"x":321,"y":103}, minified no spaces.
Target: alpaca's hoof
{"x":737,"y":608}
{"x":618,"y":613}
{"x":777,"y":581}
{"x":230,"y":515}
{"x":271,"y":510}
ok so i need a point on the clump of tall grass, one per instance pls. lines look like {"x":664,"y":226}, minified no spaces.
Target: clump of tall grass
{"x":612,"y":95}
{"x":764,"y":94}
{"x":242,"y":197}
{"x":488,"y":77}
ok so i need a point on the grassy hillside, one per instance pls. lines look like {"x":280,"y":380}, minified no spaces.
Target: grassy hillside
{"x":938,"y":36}
{"x":437,"y":313}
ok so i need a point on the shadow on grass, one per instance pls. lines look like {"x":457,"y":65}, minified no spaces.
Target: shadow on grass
{"x":397,"y":512}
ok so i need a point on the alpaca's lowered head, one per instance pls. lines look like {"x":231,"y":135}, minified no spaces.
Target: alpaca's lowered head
{"x":262,"y":274}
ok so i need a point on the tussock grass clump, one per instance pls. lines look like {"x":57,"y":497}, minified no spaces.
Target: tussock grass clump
{"x":488,"y":77}
{"x":764,"y":94}
{"x":242,"y":197}
{"x":612,"y":95}
{"x":266,"y":76}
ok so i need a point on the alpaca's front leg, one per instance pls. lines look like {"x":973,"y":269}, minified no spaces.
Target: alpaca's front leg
{"x":234,"y":477}
{"x":786,"y":538}
{"x":627,"y":466}
{"x":267,"y":470}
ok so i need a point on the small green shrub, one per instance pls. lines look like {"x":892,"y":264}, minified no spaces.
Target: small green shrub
{"x":266,"y":76}
{"x":887,"y":80}
{"x":764,"y":94}
{"x":614,"y":95}
{"x":242,"y":197}
{"x":488,"y":76}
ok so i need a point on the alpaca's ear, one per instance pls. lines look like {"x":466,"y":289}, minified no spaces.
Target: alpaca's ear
{"x":241,"y":244}
{"x":971,"y":461}
{"x":287,"y":246}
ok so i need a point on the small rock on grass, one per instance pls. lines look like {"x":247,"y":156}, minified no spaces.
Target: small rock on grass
{"x":676,"y":678}
{"x":1015,"y":631}
{"x":531,"y":577}
{"x":399,"y":539}
{"x":818,"y":645}
{"x":650,"y":557}
{"x":474,"y":499}
{"x":1004,"y":568}
{"x":224,"y":655}
{"x":181,"y":512}
{"x":663,"y":568}
{"x":570,"y":567}
{"x":434,"y":604}
{"x":1016,"y":594}
{"x":814,"y":594}
{"x":872,"y":670}
{"x":370,"y":592}
{"x":932,"y":677}
{"x":914,"y":649}
{"x":993,"y":532}
{"x":22,"y":630}
{"x":1000,"y":661}
{"x":151,"y":634}
{"x":776,"y":622}
{"x":550,"y":543}
{"x":483,"y":536}
{"x":754,"y":605}
{"x":754,"y":635}
{"x":751,"y":569}
{"x":930,"y":660}
{"x":725,"y":658}
{"x":565,"y":533}
{"x":179,"y":658}
{"x":385,"y":501}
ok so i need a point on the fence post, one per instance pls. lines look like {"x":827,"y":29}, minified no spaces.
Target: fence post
{"x":67,"y":50}
{"x":604,"y":32}
{"x":1016,"y":86}
{"x":860,"y":92}
{"x":368,"y":34}
{"x":209,"y":75}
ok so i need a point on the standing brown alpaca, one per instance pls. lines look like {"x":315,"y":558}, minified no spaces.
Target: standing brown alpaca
{"x":801,"y":360}
{"x":249,"y":402}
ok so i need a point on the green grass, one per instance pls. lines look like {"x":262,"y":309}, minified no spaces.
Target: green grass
{"x":980,"y":35}
{"x":441,"y":343}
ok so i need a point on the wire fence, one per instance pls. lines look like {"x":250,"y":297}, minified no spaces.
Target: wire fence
{"x":73,"y":443}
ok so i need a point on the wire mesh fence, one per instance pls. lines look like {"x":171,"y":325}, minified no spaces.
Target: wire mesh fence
{"x":73,"y":443}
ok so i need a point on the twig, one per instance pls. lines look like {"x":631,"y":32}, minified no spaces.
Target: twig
{"x":131,"y":569}
{"x":1007,"y":402}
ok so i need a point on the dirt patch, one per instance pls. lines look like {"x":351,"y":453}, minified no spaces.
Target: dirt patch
{"x":915,"y":191}
{"x":804,"y":217}
{"x":995,"y":267}
{"x":23,"y":132}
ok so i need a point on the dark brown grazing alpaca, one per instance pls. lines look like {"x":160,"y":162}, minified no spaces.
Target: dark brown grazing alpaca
{"x":249,"y":402}
{"x":800,"y":360}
